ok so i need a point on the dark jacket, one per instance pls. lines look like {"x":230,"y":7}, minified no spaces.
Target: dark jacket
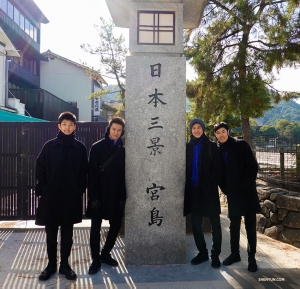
{"x":61,"y":171}
{"x":108,"y":186}
{"x":210,"y":171}
{"x":239,"y":179}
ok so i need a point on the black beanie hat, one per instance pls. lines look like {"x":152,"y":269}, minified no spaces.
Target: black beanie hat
{"x":221,"y":124}
{"x":199,"y":121}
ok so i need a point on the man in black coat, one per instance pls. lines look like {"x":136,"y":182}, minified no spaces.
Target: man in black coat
{"x":203,"y":170}
{"x":106,"y":191}
{"x":61,"y":172}
{"x":239,"y":184}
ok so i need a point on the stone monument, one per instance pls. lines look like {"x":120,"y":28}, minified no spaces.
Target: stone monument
{"x":155,"y":113}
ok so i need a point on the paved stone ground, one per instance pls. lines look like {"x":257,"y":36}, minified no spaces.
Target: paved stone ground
{"x":23,"y":257}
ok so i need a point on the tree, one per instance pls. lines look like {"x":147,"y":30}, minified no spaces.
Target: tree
{"x":268,"y":131}
{"x":112,"y":52}
{"x":234,"y":51}
{"x":288,"y":129}
{"x":281,"y":125}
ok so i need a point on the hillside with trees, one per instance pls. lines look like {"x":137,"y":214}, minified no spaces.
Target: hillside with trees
{"x":284,"y":110}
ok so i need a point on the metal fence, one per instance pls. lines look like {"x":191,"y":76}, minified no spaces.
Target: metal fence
{"x":20,"y":144}
{"x":279,"y":160}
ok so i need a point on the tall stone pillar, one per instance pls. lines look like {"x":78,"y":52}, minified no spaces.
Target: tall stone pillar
{"x":155,"y":112}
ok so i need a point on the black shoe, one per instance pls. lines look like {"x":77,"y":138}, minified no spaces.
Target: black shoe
{"x":67,"y":271}
{"x":215,"y":262}
{"x":107,"y":259}
{"x":232,"y":258}
{"x":95,"y":266}
{"x":252,"y":266}
{"x":199,"y":259}
{"x":46,"y":274}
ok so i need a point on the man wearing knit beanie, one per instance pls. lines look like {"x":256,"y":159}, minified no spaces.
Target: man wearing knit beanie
{"x":199,"y":121}
{"x":203,"y":170}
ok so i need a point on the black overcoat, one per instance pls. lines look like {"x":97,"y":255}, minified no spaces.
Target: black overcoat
{"x":210,"y":172}
{"x":239,"y":179}
{"x":61,"y":172}
{"x":108,"y":186}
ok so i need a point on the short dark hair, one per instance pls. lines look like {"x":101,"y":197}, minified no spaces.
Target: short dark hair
{"x":67,"y":115}
{"x":117,"y":120}
{"x":220,"y":125}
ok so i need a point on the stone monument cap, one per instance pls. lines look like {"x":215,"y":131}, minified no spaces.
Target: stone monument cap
{"x":192,"y":11}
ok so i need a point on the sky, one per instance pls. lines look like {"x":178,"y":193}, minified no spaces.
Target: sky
{"x":71,"y":23}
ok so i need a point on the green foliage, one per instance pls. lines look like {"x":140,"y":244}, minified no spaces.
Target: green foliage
{"x":268,"y":131}
{"x":234,"y":51}
{"x":289,"y":111}
{"x":288,"y":129}
{"x":112,"y":52}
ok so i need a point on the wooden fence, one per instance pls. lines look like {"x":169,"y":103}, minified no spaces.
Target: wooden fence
{"x":20,"y":144}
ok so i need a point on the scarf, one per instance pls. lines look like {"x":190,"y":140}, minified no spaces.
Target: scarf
{"x":197,"y":145}
{"x":223,"y":148}
{"x":66,"y":139}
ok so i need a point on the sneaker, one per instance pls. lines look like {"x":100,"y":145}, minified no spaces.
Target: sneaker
{"x":199,"y":259}
{"x":67,"y":271}
{"x":215,"y":262}
{"x":46,"y":274}
{"x":252,"y":266}
{"x":107,"y":259}
{"x":95,"y":266}
{"x":232,"y":258}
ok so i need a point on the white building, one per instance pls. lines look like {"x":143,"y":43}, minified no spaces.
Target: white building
{"x":7,"y":49}
{"x":69,"y":81}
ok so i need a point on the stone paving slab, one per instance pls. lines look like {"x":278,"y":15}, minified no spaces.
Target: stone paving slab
{"x":23,"y":257}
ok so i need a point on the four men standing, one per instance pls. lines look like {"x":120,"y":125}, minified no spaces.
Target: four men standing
{"x":62,"y":168}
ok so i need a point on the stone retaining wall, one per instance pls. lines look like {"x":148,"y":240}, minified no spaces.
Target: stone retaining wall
{"x":280,"y":214}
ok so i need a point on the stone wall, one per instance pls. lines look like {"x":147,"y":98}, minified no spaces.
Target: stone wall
{"x":280,"y":214}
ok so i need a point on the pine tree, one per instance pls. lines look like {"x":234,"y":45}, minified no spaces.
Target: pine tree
{"x":234,"y":52}
{"x":112,"y":52}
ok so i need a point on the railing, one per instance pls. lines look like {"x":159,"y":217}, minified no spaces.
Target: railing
{"x":23,"y":73}
{"x":42,"y":104}
{"x":279,"y":160}
{"x":18,"y":30}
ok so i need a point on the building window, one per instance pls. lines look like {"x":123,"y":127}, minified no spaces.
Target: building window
{"x":30,"y":30}
{"x":22,"y":22}
{"x":21,"y":59}
{"x":27,"y":64}
{"x":34,"y":34}
{"x":156,"y":27}
{"x":16,"y":15}
{"x":26,"y":26}
{"x":10,"y":10}
{"x":3,"y":5}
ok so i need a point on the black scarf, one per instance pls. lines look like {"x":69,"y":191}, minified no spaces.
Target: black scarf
{"x":66,"y":139}
{"x":195,"y":140}
{"x":224,"y":148}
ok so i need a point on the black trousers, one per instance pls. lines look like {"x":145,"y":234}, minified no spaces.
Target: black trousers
{"x":115,"y":226}
{"x":216,"y":232}
{"x":66,"y":243}
{"x":250,"y":226}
